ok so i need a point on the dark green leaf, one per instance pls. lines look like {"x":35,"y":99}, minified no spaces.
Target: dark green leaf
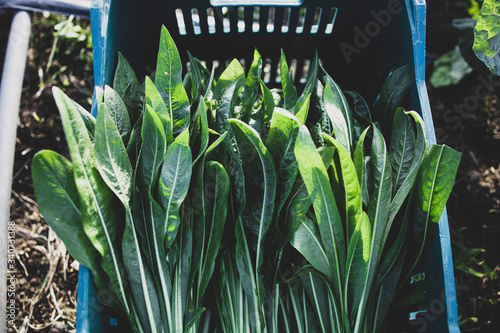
{"x":315,"y":177}
{"x":57,"y":197}
{"x":289,"y":90}
{"x":308,"y":242}
{"x":216,"y":197}
{"x":280,"y":142}
{"x":393,"y":95}
{"x":260,"y":182}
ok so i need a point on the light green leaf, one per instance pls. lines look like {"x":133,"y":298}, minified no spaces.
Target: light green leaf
{"x":168,"y":80}
{"x":349,"y":186}
{"x":433,"y":185}
{"x":233,"y":73}
{"x":154,"y":99}
{"x":449,"y":69}
{"x":358,"y":255}
{"x":315,"y":177}
{"x":111,"y":156}
{"x":88,"y":119}
{"x":487,"y":35}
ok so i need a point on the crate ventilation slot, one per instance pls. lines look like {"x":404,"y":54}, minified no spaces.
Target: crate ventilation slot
{"x":256,"y":19}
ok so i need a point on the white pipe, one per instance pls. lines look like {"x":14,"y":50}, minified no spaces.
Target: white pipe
{"x":10,"y":97}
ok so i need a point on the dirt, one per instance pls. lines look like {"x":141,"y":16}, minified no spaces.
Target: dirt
{"x":466,"y":117}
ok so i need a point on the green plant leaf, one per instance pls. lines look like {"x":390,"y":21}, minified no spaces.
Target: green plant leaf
{"x":449,"y":69}
{"x":116,"y":170}
{"x":378,"y":213}
{"x":341,"y":131}
{"x":57,"y":196}
{"x":301,"y":109}
{"x":347,"y":181}
{"x":315,"y":177}
{"x":308,"y":242}
{"x":154,"y":99}
{"x":124,"y":76}
{"x":358,"y":255}
{"x":260,"y":116}
{"x":199,"y":131}
{"x":280,"y":143}
{"x":197,"y":75}
{"x":200,"y":194}
{"x":135,"y":142}
{"x":88,"y":119}
{"x":406,"y":150}
{"x":168,"y":81}
{"x":118,"y":112}
{"x":260,"y":181}
{"x":393,"y":94}
{"x":100,"y":218}
{"x":151,"y":157}
{"x":487,"y":35}
{"x":128,"y":87}
{"x":217,"y":180}
{"x":173,"y":185}
{"x":153,"y":146}
{"x":297,"y":205}
{"x":111,"y":156}
{"x":250,"y":281}
{"x":433,"y":185}
{"x":251,"y":89}
{"x":142,"y":282}
{"x":227,"y":99}
{"x":233,"y":74}
{"x":357,"y":104}
{"x":289,"y":90}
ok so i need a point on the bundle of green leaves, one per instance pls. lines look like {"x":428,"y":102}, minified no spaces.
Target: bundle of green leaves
{"x":208,"y":202}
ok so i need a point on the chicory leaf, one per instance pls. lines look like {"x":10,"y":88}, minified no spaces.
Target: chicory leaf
{"x":173,"y":185}
{"x":168,"y":80}
{"x":118,"y":112}
{"x":100,"y":219}
{"x":315,"y":177}
{"x":289,"y":90}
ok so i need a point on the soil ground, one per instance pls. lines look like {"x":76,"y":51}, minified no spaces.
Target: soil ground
{"x":466,"y":117}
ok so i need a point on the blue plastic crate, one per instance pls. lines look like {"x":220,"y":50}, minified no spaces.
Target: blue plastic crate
{"x":360,"y":42}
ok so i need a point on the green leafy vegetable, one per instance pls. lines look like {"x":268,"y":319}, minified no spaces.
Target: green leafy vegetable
{"x":487,"y":35}
{"x":210,"y":202}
